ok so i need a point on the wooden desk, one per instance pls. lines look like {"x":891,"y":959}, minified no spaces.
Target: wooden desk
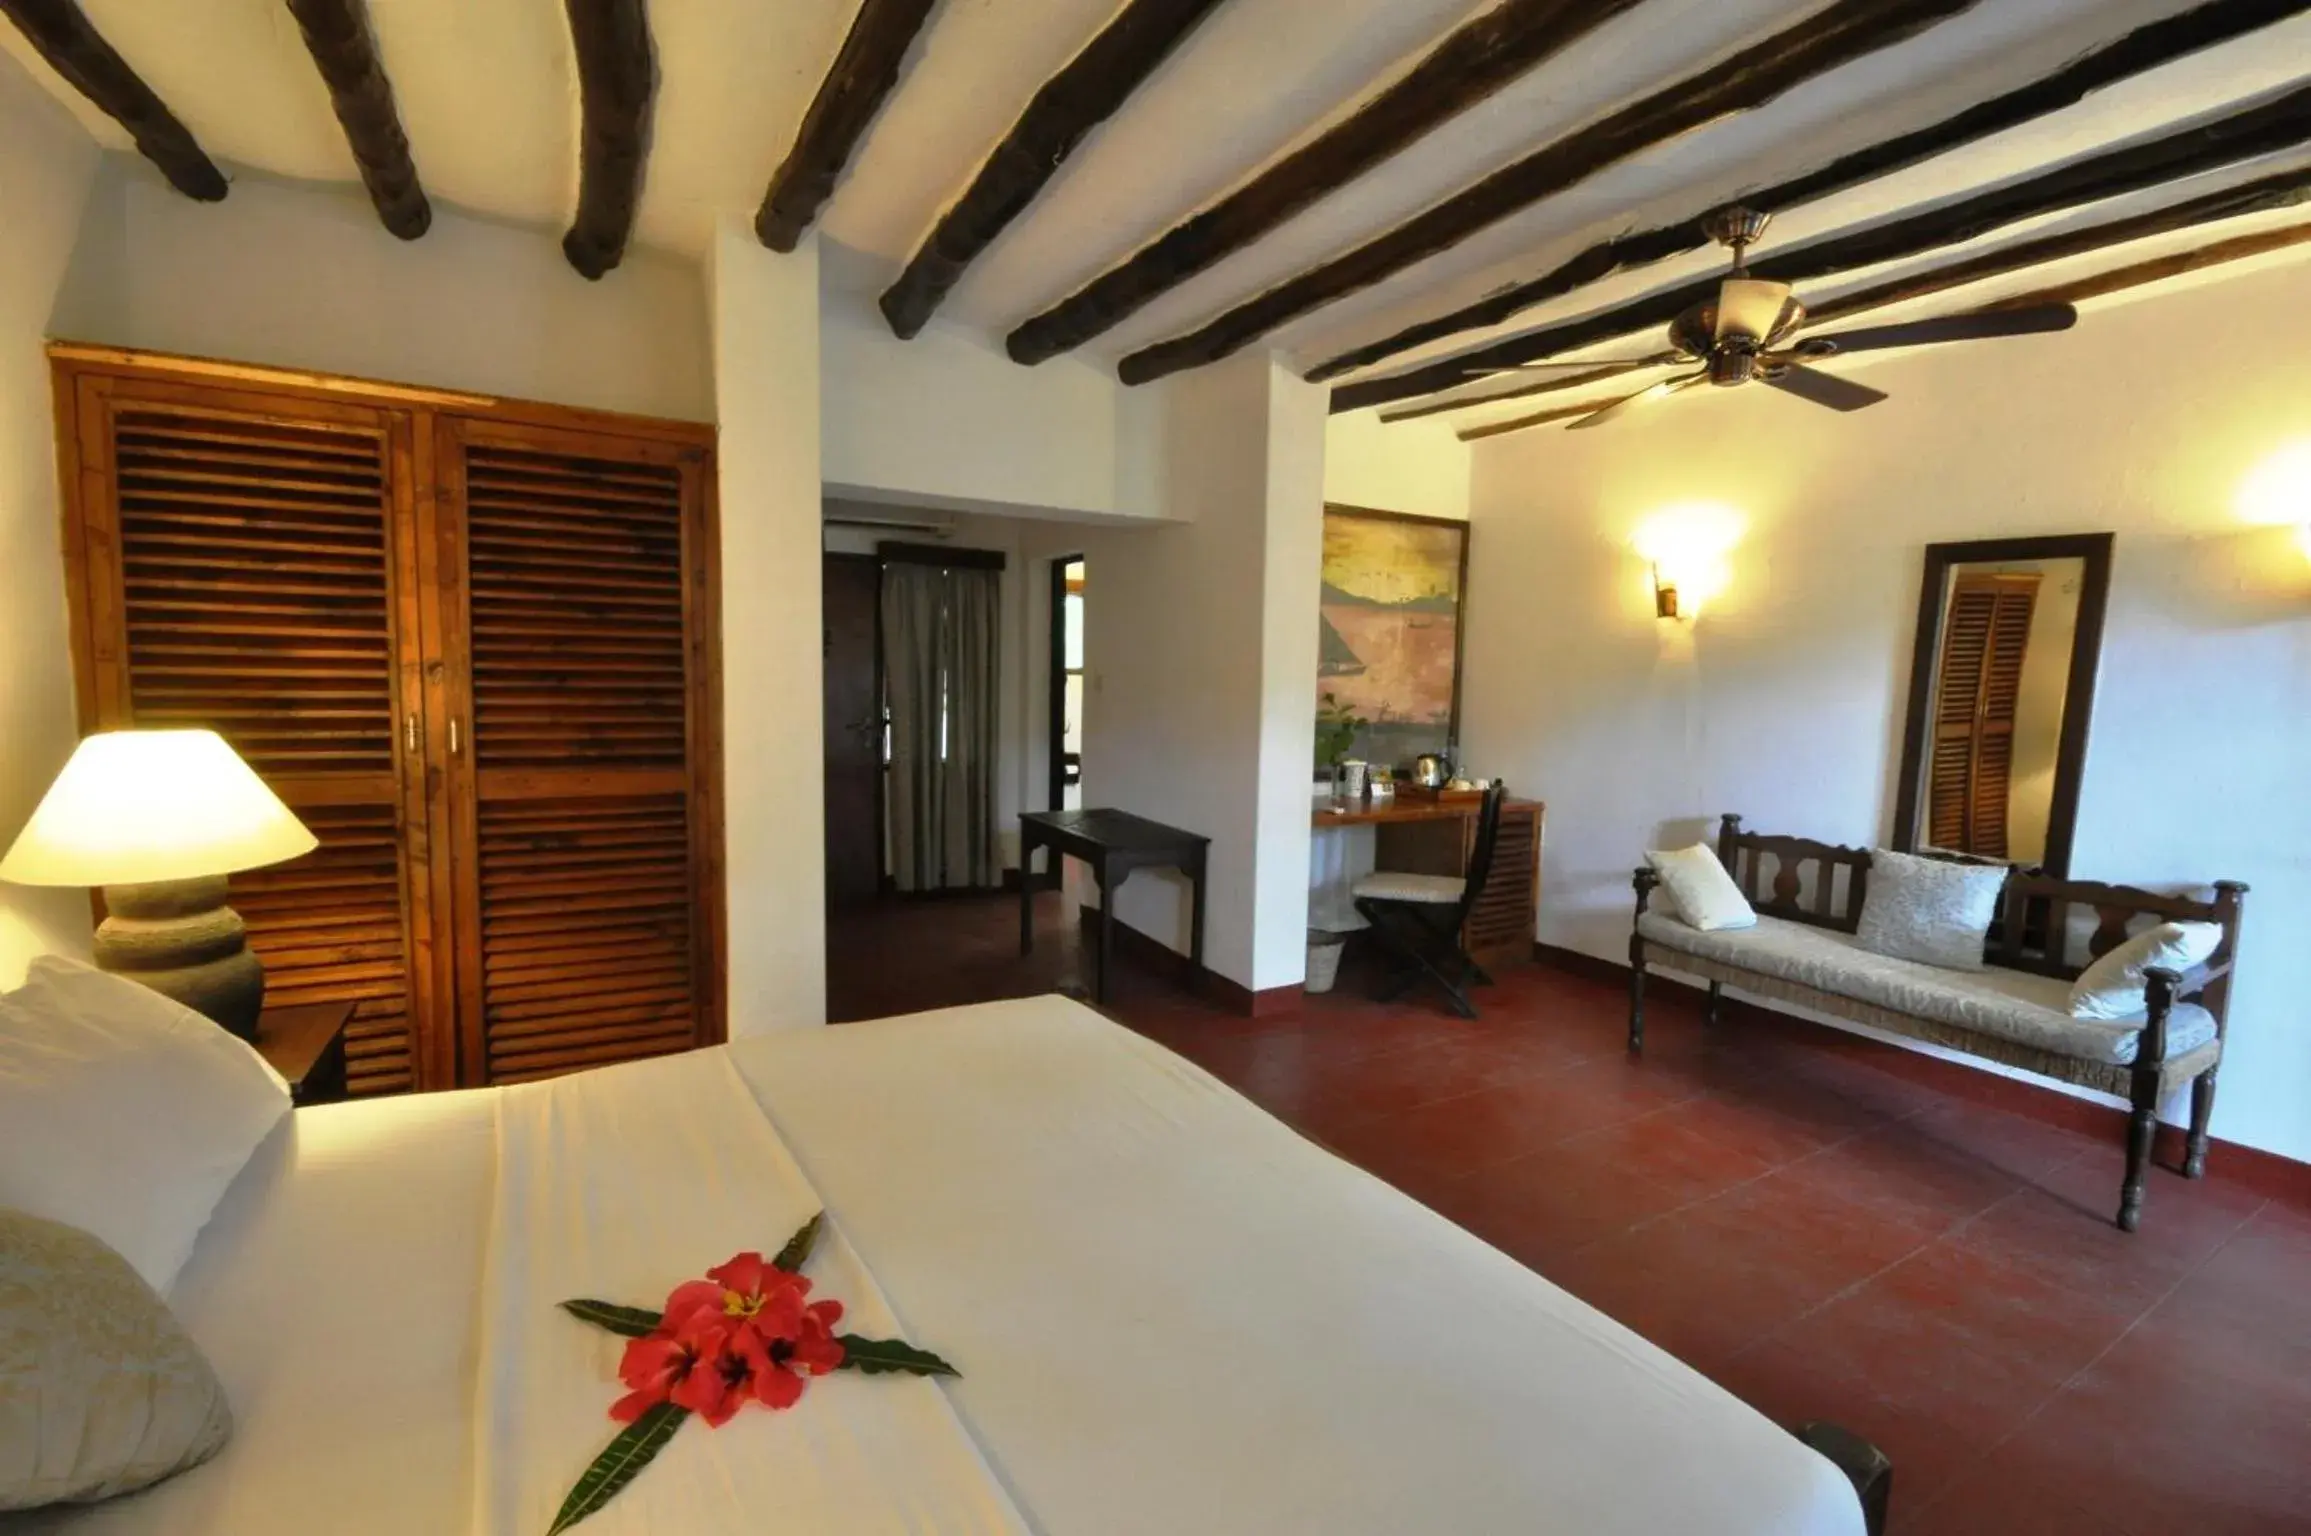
{"x":1435,"y":837}
{"x":1113,"y":843}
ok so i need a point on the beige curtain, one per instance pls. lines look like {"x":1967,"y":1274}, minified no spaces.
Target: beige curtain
{"x":940,"y":674}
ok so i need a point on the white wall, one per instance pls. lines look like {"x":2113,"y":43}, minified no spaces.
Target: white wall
{"x":1412,"y":466}
{"x":47,"y":164}
{"x":303,"y":276}
{"x":1783,"y":702}
{"x":1201,"y":662}
{"x":766,"y":341}
{"x":947,"y":420}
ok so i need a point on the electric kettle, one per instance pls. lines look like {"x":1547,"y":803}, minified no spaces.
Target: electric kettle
{"x":1430,"y":770}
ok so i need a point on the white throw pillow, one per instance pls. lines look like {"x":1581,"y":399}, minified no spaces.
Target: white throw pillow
{"x":1705,"y":894}
{"x":1929,"y":910}
{"x":123,"y":1113}
{"x":2112,"y":987}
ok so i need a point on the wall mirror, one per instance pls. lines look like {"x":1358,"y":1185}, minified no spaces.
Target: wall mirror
{"x":2001,"y":694}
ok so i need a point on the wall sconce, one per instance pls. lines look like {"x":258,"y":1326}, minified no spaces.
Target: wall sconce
{"x":1664,"y":595}
{"x":1687,"y":547}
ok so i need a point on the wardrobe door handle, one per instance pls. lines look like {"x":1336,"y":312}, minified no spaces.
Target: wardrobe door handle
{"x":409,"y":733}
{"x":453,"y":735}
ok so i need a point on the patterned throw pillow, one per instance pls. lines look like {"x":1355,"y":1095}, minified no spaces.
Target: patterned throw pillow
{"x":101,"y":1392}
{"x":1930,"y":910}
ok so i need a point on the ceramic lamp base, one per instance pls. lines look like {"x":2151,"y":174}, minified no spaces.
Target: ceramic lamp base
{"x":180,"y":939}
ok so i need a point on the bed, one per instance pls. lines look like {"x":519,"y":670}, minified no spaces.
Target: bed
{"x":1172,"y":1314}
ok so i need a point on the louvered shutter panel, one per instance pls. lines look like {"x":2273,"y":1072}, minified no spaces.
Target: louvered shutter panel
{"x":1985,"y":641}
{"x":1501,"y":921}
{"x":586,"y":934}
{"x":241,"y":567}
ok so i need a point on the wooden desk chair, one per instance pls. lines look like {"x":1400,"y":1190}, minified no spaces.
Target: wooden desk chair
{"x":1420,"y":918}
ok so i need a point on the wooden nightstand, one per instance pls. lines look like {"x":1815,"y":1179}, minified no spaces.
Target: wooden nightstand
{"x":306,"y":1045}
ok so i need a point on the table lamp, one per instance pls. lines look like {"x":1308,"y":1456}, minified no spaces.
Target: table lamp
{"x":159,"y":819}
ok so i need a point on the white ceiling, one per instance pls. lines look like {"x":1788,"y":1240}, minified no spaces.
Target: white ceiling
{"x":487,"y":92}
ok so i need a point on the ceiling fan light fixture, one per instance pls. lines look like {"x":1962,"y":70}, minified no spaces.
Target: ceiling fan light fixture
{"x":1751,"y":309}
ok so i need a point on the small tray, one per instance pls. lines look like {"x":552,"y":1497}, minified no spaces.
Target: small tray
{"x":1415,"y":792}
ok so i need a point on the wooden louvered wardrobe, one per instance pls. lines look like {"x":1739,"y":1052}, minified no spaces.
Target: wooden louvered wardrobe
{"x":474,"y":644}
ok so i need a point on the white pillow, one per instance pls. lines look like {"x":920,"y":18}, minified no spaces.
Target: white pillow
{"x":1705,"y":894}
{"x":2112,"y":987}
{"x":1930,"y":910}
{"x":123,"y":1113}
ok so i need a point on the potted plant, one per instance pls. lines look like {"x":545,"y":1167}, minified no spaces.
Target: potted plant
{"x":1336,"y":729}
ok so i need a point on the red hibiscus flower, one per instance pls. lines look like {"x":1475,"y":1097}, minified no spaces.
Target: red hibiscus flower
{"x":653,"y":1366}
{"x":731,"y":1357}
{"x":746,"y":1331}
{"x":747,"y":1289}
{"x":811,"y":1350}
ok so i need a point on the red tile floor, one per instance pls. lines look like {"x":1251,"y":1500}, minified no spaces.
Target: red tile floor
{"x":1824,"y":1238}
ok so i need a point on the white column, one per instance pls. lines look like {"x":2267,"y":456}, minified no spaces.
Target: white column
{"x":1202,"y":660}
{"x":1292,"y":587}
{"x":766,"y":388}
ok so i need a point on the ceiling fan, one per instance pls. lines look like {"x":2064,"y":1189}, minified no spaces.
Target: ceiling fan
{"x":1748,"y":334}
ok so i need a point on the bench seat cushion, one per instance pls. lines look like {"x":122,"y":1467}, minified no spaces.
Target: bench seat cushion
{"x":2030,"y":1010}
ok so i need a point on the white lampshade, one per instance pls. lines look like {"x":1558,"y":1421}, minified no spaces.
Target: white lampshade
{"x":139,"y":806}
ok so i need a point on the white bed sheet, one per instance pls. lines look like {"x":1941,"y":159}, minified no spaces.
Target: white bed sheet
{"x":619,"y":1186}
{"x":334,"y":1290}
{"x":1173,"y":1314}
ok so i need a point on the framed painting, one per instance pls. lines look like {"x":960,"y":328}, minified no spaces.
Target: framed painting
{"x":1388,"y":642}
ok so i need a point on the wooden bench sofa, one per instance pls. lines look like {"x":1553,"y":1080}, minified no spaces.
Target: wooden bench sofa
{"x":1808,"y":896}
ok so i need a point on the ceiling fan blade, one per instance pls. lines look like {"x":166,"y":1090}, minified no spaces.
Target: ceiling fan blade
{"x":1627,"y":403}
{"x":1825,"y":388}
{"x":1657,"y":360}
{"x":1981,"y":325}
{"x":1750,"y":307}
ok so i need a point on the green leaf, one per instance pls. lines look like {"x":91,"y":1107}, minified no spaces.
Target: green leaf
{"x":619,"y":1462}
{"x":875,"y":1357}
{"x":796,"y":1253}
{"x":630,"y":1322}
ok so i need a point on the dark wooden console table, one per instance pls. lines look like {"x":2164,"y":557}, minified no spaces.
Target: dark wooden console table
{"x":1113,"y":843}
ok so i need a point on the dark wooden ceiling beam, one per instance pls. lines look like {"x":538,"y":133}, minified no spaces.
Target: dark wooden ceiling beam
{"x":2146,"y":48}
{"x":2268,"y":194}
{"x":74,"y":49}
{"x":617,"y":79}
{"x":1847,"y":30}
{"x":2101,"y":285}
{"x":1547,"y":386}
{"x":2278,"y":124}
{"x":1474,"y":63}
{"x":865,"y":71}
{"x":1079,"y":98}
{"x":344,"y":49}
{"x":2159,"y":269}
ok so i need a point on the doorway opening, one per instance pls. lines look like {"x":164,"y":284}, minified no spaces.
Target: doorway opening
{"x":1066,"y":682}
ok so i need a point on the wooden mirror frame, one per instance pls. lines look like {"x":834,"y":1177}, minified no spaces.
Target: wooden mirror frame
{"x":2094,"y":550}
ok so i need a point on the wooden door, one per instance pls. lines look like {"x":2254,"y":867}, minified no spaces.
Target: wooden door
{"x":244,"y":560}
{"x":1985,"y":640}
{"x":852,"y":594}
{"x":582,"y":745}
